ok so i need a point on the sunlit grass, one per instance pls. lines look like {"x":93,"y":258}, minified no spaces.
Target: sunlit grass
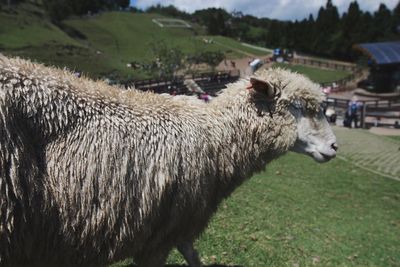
{"x":301,"y":212}
{"x":316,"y":74}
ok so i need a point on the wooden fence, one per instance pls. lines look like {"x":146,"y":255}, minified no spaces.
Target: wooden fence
{"x":326,"y":64}
{"x":338,"y":84}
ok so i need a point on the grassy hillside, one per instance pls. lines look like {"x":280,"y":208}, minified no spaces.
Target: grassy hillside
{"x":25,"y":31}
{"x":26,"y":26}
{"x":315,"y":74}
{"x":100,"y":44}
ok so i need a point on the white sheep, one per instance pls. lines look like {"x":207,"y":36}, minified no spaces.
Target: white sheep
{"x":91,"y":174}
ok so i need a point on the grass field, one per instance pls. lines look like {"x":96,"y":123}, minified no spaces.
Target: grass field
{"x":300,"y":213}
{"x":100,"y":44}
{"x":315,"y":74}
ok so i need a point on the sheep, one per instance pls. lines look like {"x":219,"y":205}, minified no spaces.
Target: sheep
{"x":91,"y":174}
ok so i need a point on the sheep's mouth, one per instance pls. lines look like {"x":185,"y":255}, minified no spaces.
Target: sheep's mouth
{"x":322,"y":157}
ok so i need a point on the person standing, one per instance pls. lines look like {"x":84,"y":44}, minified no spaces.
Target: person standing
{"x":352,"y":112}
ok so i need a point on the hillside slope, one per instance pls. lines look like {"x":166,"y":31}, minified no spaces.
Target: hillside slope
{"x":25,"y":31}
{"x":99,"y":45}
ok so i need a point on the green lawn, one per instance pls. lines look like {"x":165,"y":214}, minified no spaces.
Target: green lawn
{"x":315,"y":74}
{"x":301,"y":212}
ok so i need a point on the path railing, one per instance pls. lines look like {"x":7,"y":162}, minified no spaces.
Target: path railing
{"x":372,"y":111}
{"x":211,"y":80}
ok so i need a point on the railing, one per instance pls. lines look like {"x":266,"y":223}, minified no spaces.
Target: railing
{"x":377,"y":109}
{"x":210,"y":80}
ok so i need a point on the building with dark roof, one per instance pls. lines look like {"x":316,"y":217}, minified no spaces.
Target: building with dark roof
{"x":384,"y":63}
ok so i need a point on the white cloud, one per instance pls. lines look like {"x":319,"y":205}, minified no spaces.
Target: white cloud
{"x":277,"y":9}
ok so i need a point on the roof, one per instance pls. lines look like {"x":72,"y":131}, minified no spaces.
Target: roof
{"x":382,"y":53}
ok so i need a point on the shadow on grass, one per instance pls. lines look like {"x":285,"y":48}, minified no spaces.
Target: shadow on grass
{"x":178,"y":265}
{"x":213,"y":265}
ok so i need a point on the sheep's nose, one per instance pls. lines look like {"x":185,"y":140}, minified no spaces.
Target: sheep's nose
{"x":334,"y":146}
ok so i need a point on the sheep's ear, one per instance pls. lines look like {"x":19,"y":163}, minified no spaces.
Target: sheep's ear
{"x":263,"y":87}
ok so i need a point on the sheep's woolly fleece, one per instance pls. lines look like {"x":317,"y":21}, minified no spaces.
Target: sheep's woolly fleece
{"x":90,"y":174}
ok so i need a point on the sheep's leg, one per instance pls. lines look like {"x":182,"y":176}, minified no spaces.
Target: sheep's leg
{"x":190,"y":254}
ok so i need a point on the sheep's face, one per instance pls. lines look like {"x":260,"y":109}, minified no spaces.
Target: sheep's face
{"x":314,"y":134}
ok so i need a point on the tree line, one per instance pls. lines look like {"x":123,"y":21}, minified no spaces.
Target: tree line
{"x":329,"y":34}
{"x":61,"y":9}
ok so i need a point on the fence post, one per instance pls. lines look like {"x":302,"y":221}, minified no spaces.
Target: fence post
{"x":363,"y":113}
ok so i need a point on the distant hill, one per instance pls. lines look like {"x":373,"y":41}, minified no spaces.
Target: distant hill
{"x":102,"y":44}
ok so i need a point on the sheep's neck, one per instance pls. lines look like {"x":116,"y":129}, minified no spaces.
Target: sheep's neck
{"x":249,"y":141}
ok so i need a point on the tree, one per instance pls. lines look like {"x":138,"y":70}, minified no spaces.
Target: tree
{"x":61,"y":9}
{"x":274,"y":34}
{"x":169,"y":11}
{"x":169,"y":60}
{"x":327,"y":25}
{"x":368,"y":31}
{"x":10,"y":2}
{"x":382,"y":23}
{"x":212,"y":58}
{"x":57,"y":9}
{"x":123,"y":3}
{"x":215,"y":19}
{"x":352,"y":30}
{"x":396,"y":18}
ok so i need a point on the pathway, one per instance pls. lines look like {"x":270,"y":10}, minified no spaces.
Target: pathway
{"x":235,"y":49}
{"x":374,"y":153}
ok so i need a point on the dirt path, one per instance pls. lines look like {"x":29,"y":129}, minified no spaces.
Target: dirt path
{"x":235,"y":49}
{"x":377,"y":154}
{"x":241,"y":65}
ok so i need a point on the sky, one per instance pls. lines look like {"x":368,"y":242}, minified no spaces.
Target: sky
{"x":275,"y":9}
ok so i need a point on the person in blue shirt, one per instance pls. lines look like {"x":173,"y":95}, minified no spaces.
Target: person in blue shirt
{"x":352,"y":113}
